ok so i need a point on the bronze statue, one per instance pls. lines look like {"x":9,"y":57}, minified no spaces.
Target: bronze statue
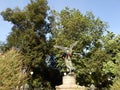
{"x":68,"y":53}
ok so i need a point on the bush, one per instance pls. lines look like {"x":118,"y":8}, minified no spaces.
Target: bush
{"x":116,"y":85}
{"x":10,"y":70}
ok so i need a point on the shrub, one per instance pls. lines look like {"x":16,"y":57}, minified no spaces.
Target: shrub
{"x":10,"y":70}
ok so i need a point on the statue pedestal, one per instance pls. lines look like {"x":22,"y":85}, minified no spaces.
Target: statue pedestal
{"x":69,"y":83}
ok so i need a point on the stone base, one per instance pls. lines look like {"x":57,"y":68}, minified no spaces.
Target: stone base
{"x":69,"y":83}
{"x":71,"y":87}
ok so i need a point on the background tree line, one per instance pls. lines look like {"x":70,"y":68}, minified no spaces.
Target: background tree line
{"x":97,"y":55}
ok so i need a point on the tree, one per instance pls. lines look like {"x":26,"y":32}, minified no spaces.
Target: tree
{"x":11,"y":75}
{"x":70,"y":26}
{"x":28,"y":35}
{"x":112,"y":46}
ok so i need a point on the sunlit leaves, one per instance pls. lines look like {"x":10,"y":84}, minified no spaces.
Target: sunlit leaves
{"x":10,"y":70}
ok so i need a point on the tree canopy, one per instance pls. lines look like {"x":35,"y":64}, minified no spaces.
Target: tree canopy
{"x":28,"y":35}
{"x":95,"y":50}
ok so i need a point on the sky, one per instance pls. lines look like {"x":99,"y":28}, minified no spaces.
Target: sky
{"x":107,"y":10}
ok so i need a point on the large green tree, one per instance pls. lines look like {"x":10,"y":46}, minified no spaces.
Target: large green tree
{"x":69,"y":26}
{"x":28,"y":35}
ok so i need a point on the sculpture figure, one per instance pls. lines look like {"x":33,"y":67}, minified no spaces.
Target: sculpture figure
{"x":68,"y":53}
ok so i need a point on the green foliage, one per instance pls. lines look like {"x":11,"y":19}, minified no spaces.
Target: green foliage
{"x":10,"y":70}
{"x":32,"y":17}
{"x":97,"y":54}
{"x":116,"y":85}
{"x":28,"y":35}
{"x":112,"y":46}
{"x":96,"y":49}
